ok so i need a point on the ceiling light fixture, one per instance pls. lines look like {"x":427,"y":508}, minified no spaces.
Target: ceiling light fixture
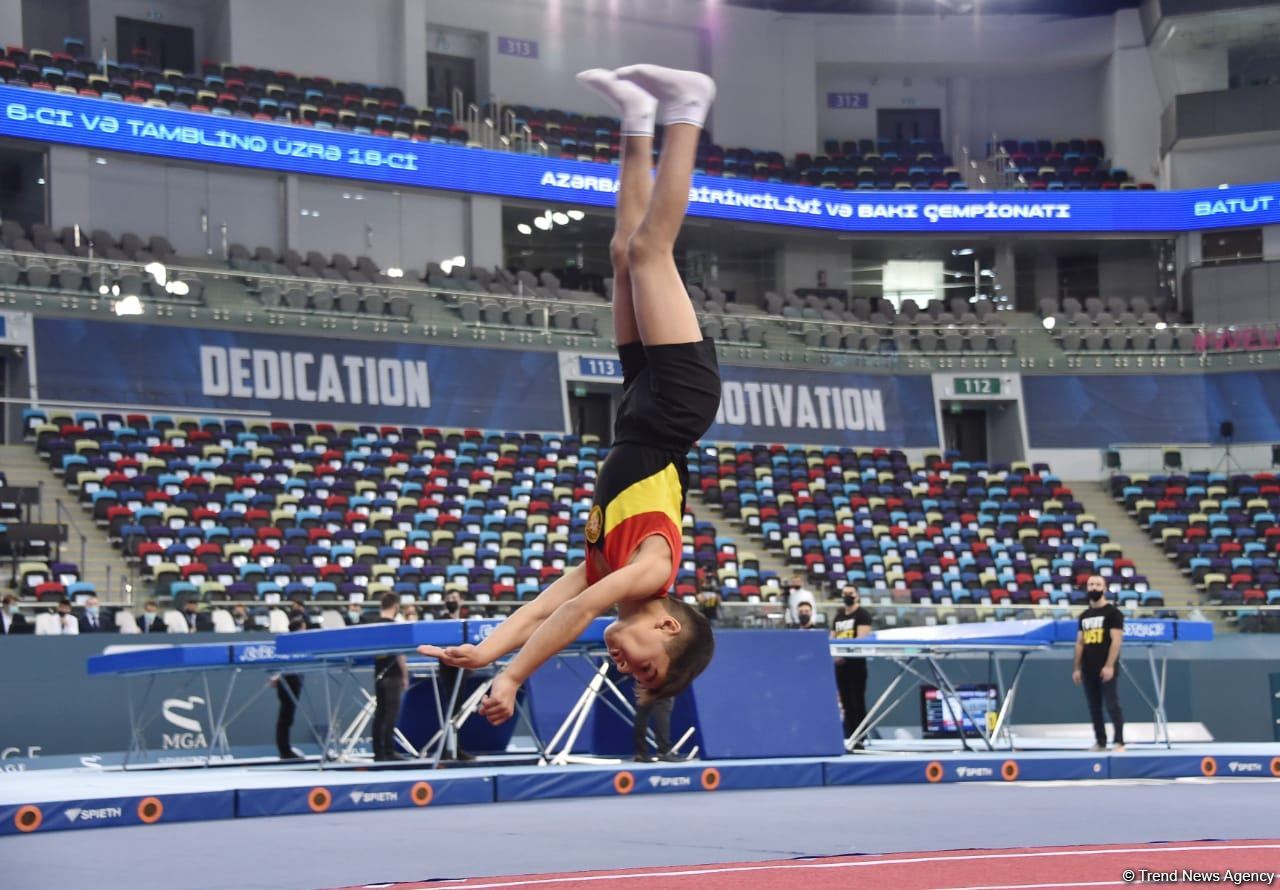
{"x":130,"y":305}
{"x":524,"y":229}
{"x":576,"y":215}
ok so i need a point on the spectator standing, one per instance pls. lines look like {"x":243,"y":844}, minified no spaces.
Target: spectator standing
{"x":798,"y":593}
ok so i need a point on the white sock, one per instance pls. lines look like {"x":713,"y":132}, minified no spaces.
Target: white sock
{"x":686,"y":96}
{"x":636,"y":107}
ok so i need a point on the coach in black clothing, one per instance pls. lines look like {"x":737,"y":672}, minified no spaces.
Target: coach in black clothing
{"x":851,"y":622}
{"x":288,"y":689}
{"x":1097,"y":663}
{"x":390,"y":679}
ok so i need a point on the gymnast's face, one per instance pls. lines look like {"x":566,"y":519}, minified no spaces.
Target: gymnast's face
{"x":638,"y":645}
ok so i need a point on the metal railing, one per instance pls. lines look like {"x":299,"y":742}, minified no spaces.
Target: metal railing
{"x":860,"y":343}
{"x":63,"y":517}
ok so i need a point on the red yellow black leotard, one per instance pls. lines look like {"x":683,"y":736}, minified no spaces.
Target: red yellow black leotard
{"x":670,"y":396}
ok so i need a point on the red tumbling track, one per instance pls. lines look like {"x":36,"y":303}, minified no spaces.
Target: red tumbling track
{"x":1028,"y":868}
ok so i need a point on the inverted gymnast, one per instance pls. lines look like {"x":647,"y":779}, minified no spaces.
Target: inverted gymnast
{"x":671,"y":390}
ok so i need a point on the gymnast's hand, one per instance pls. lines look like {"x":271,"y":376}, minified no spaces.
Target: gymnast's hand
{"x":466,"y":656}
{"x":500,"y":703}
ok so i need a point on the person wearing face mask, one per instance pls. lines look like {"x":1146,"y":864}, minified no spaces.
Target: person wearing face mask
{"x":449,"y":677}
{"x":851,"y":622}
{"x":68,"y":623}
{"x":94,"y":621}
{"x":11,"y":620}
{"x":353,"y":615}
{"x":1097,"y":661}
{"x":151,"y":621}
{"x":453,"y":607}
{"x":804,"y":616}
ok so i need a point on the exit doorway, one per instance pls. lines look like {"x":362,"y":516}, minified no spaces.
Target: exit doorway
{"x":447,"y":73}
{"x":905,"y":124}
{"x":988,"y":430}
{"x":591,"y":412}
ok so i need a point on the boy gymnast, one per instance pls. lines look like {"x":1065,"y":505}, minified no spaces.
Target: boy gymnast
{"x":671,"y":390}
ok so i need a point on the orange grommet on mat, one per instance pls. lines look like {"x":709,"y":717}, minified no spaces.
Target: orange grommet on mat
{"x":28,"y":818}
{"x":624,"y":782}
{"x":318,"y":799}
{"x":150,"y":809}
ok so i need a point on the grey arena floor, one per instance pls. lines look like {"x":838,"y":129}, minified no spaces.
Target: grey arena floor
{"x":311,"y":852}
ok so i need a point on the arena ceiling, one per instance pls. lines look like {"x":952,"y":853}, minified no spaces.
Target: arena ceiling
{"x":1066,"y":8}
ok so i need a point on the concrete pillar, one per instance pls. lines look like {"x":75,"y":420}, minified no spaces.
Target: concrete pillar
{"x":11,"y":21}
{"x":413,"y":62}
{"x":68,"y":186}
{"x":484,"y":241}
{"x":292,"y":220}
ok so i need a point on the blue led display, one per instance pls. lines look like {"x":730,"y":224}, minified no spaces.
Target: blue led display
{"x":190,"y":136}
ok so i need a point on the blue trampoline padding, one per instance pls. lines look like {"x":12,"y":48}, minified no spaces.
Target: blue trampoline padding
{"x":978,"y":633}
{"x":1194,"y":631}
{"x":401,"y":636}
{"x":1148,"y":630}
{"x":161,"y":658}
{"x":478,"y":628}
{"x":763,"y":695}
{"x":404,"y":636}
{"x":111,"y":812}
{"x":317,"y":796}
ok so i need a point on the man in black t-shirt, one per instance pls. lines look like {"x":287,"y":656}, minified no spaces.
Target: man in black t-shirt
{"x":1097,"y":662}
{"x":288,"y":689}
{"x":851,"y":622}
{"x":390,"y":679}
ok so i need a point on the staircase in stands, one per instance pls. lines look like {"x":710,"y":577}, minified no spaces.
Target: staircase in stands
{"x":1148,"y":558}
{"x":22,"y":467}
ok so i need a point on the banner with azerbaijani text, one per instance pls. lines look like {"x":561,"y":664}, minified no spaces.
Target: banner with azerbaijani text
{"x":305,"y":378}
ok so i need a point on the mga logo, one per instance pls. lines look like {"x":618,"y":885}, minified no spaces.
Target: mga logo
{"x":1237,"y":767}
{"x":975,"y":772}
{"x":84,"y":814}
{"x":670,"y":781}
{"x":363,"y":797}
{"x":192,"y":735}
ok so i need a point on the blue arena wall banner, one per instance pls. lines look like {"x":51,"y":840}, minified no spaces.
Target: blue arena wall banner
{"x":304,"y":378}
{"x":778,"y":405}
{"x":1095,"y":411}
{"x":191,"y":136}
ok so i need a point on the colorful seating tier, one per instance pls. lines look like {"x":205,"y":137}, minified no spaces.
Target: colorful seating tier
{"x":266,"y":511}
{"x":948,"y":532}
{"x":1220,"y":529}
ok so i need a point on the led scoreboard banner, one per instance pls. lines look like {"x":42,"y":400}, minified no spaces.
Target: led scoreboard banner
{"x":288,"y":148}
